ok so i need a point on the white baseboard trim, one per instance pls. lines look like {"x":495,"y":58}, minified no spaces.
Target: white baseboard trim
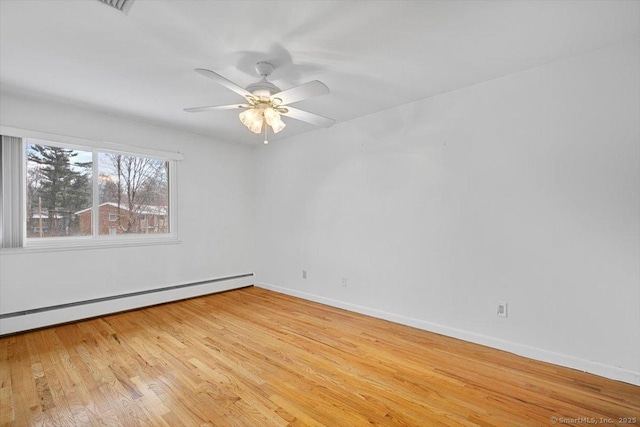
{"x":54,"y":316}
{"x":607,"y":371}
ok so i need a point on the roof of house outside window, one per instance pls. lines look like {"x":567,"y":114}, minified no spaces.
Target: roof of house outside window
{"x":142,"y":209}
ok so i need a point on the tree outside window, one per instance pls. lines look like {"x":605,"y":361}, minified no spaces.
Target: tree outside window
{"x":58,"y":185}
{"x":136,"y":191}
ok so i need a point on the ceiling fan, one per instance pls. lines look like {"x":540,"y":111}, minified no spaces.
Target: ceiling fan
{"x":265,"y":102}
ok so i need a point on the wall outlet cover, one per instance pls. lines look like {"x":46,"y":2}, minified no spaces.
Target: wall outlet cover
{"x":502,"y":309}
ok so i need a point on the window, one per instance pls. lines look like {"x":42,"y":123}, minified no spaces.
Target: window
{"x":134,"y":192}
{"x":58,"y":188}
{"x":78,"y":195}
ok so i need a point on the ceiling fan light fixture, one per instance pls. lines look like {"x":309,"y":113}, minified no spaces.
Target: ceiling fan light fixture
{"x":252,"y":119}
{"x":273,"y":119}
{"x":256,"y":127}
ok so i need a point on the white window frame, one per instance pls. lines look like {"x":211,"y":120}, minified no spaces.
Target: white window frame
{"x":95,"y":240}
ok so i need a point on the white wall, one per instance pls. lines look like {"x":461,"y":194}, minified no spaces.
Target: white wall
{"x":213,"y":220}
{"x":523,"y":189}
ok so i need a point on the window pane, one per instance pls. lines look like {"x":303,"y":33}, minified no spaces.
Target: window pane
{"x":59,"y":191}
{"x":133,"y":195}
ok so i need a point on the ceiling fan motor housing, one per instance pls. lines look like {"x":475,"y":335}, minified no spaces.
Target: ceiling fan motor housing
{"x":263,"y":88}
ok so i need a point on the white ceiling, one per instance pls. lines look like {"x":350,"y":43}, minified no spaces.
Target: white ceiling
{"x":373,"y":55}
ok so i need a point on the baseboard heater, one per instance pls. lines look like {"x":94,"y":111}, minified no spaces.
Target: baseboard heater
{"x":22,"y":320}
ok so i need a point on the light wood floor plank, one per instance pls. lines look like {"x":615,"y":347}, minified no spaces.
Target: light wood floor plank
{"x":252,"y":357}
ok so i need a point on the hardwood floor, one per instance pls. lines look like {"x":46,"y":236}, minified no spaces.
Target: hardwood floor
{"x":252,"y":357}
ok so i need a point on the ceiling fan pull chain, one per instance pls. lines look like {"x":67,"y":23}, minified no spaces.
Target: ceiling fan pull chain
{"x":266,"y":128}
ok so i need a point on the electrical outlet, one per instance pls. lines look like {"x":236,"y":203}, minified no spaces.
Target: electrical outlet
{"x":343,"y":282}
{"x":304,"y":274}
{"x":502,"y":309}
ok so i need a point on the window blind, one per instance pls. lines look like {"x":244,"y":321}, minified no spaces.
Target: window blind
{"x":11,"y":194}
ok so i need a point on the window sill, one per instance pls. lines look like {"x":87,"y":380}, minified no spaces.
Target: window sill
{"x":103,"y":243}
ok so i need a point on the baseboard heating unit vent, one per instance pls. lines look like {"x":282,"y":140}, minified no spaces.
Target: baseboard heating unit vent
{"x":34,"y":318}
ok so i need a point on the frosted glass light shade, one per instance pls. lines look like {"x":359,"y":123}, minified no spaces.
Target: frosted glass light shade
{"x":252,"y":119}
{"x":273,"y":119}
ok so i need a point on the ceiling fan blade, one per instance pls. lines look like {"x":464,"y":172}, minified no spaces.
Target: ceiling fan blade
{"x":224,"y":82}
{"x":308,"y":117}
{"x":216,"y":107}
{"x":304,"y":91}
